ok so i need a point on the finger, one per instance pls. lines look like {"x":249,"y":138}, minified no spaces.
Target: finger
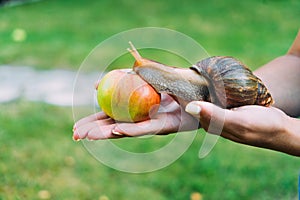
{"x":211,"y":117}
{"x":97,"y":133}
{"x":90,"y":118}
{"x":163,"y":123}
{"x":82,"y":131}
{"x":206,"y":111}
{"x":102,"y":132}
{"x":201,"y":111}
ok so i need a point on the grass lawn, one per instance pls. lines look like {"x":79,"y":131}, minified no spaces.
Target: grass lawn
{"x":60,"y":34}
{"x":38,"y":154}
{"x":39,"y":160}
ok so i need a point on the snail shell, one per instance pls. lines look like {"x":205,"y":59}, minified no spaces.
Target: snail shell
{"x":231,"y":83}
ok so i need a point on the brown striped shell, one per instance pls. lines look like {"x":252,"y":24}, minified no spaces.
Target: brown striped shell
{"x":231,"y":83}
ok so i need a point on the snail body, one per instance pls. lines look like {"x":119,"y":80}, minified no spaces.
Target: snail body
{"x":182,"y":83}
{"x":221,"y":80}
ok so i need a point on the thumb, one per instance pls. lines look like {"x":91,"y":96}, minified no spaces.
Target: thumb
{"x":211,"y":117}
{"x":200,"y":108}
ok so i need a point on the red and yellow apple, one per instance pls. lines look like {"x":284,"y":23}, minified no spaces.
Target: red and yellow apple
{"x":124,"y":96}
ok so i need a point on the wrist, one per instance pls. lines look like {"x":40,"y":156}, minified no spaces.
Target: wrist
{"x":292,"y":133}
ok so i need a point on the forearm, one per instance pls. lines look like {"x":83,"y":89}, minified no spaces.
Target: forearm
{"x":281,"y":76}
{"x":294,"y":134}
{"x":288,"y":140}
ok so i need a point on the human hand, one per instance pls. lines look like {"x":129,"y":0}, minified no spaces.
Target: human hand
{"x":171,"y":118}
{"x":266,"y":127}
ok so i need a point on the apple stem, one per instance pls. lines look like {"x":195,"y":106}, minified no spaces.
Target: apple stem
{"x":135,"y":53}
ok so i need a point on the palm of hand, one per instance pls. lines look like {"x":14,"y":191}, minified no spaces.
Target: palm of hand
{"x":170,"y":118}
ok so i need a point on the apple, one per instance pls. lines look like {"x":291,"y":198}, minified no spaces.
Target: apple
{"x":124,"y":96}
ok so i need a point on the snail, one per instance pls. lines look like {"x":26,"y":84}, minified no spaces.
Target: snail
{"x":222,"y":80}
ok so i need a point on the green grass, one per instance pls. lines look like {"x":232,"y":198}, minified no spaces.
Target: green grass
{"x":37,"y":153}
{"x":36,"y":149}
{"x":60,"y":34}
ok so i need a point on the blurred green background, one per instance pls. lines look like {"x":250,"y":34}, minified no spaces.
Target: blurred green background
{"x":39,"y":160}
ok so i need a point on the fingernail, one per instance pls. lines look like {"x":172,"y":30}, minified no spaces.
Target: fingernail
{"x":193,"y":108}
{"x":116,"y":132}
{"x":76,"y":137}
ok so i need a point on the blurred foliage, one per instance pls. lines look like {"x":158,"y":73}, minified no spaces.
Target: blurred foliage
{"x":39,"y":160}
{"x":62,"y":33}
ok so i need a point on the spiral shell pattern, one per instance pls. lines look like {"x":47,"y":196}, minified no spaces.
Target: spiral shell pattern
{"x":231,"y":83}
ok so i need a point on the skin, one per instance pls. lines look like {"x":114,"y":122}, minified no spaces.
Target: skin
{"x":272,"y":127}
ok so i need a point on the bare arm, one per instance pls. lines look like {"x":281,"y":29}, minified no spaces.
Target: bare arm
{"x":282,"y":78}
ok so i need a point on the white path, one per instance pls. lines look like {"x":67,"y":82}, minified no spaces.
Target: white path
{"x":51,"y":86}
